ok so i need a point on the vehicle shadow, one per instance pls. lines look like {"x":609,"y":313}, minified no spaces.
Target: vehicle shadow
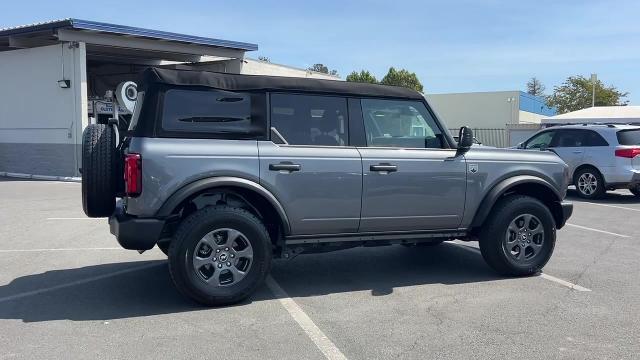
{"x":95,"y":293}
{"x":615,"y":198}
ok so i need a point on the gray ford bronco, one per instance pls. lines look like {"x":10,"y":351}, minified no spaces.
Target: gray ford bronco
{"x":225,"y":172}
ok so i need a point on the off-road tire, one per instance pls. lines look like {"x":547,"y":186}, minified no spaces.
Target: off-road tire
{"x":98,"y":170}
{"x":188,"y":235}
{"x":494,"y":230}
{"x":600,"y":188}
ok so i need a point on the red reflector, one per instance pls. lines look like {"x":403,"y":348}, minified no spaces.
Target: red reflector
{"x":628,"y":152}
{"x":132,"y":174}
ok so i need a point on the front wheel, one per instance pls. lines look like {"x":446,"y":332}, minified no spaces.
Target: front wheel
{"x":219,"y":255}
{"x":519,"y":237}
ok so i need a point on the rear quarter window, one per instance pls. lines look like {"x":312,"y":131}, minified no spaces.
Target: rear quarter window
{"x":629,"y":137}
{"x":206,"y":111}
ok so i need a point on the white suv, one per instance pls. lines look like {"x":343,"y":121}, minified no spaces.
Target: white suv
{"x":600,"y":157}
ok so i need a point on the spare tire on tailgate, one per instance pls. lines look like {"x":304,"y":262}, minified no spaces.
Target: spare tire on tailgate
{"x":99,"y":169}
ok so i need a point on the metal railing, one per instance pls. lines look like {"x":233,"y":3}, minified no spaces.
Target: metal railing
{"x":489,"y":137}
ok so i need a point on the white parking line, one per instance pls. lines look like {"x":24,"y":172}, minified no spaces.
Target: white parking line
{"x":316,"y":335}
{"x":597,"y":230}
{"x":607,"y":205}
{"x":61,"y":249}
{"x":542,"y":275}
{"x":78,"y":282}
{"x":563,"y":282}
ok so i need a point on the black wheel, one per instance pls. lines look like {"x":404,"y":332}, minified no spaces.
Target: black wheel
{"x":219,"y":255}
{"x":589,"y":183}
{"x":519,"y":236}
{"x":635,"y":190}
{"x":98,"y":169}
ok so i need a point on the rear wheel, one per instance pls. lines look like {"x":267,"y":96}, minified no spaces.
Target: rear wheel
{"x":99,"y":162}
{"x":635,"y":190}
{"x":219,"y":255}
{"x":518,"y":239}
{"x":589,"y":183}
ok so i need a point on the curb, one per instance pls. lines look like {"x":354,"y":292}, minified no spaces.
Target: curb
{"x":41,"y":177}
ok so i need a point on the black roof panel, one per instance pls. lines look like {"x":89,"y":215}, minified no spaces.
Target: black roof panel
{"x":237,"y":82}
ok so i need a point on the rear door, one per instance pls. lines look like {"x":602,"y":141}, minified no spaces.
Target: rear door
{"x":411,"y":181}
{"x":309,"y":166}
{"x":570,"y":145}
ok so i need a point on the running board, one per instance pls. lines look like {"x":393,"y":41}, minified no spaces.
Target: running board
{"x":396,"y":235}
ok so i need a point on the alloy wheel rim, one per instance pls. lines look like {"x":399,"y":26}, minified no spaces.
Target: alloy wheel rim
{"x":524,"y":238}
{"x":222,"y":257}
{"x":587,"y":183}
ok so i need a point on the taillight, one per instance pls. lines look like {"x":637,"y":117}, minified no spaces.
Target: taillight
{"x":132,"y":174}
{"x":628,"y":152}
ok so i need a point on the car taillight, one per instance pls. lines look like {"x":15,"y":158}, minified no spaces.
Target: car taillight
{"x":132,"y":174}
{"x":628,"y":152}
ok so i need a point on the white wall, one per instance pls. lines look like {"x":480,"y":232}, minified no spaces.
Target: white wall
{"x":257,"y":67}
{"x":526,"y":117}
{"x":41,"y":123}
{"x":487,"y":110}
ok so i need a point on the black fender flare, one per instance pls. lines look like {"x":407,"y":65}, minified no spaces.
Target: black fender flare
{"x":222,"y":181}
{"x":503,"y":187}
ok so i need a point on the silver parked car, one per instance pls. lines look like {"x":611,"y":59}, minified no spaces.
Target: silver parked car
{"x":600,"y":157}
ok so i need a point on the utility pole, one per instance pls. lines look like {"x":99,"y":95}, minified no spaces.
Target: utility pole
{"x":594,"y":78}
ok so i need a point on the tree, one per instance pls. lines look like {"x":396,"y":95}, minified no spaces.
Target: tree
{"x":403,"y":78}
{"x":363,"y":76}
{"x":321,"y":68}
{"x":264,"y":58}
{"x":535,"y":87}
{"x":575,"y":94}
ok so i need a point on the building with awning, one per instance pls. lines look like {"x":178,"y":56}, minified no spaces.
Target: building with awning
{"x":56,"y":77}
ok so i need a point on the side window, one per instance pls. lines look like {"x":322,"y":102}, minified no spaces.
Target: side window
{"x":540,"y":140}
{"x":310,"y":119}
{"x":213,"y":111}
{"x":570,"y":138}
{"x":396,"y":123}
{"x":592,"y":138}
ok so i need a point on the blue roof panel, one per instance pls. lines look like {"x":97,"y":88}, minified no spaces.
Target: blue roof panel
{"x":126,"y":30}
{"x":535,"y":104}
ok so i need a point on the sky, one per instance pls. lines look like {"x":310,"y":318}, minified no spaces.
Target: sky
{"x":453,"y":46}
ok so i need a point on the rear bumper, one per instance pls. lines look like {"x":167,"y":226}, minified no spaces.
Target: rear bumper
{"x":567,"y":210}
{"x":134,"y":233}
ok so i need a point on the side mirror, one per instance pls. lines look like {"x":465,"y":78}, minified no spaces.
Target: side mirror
{"x":465,"y":138}
{"x":520,"y":145}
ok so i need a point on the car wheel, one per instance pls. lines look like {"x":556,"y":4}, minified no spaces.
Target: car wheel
{"x":98,"y":170}
{"x":589,"y":183}
{"x":519,"y":237}
{"x":635,"y":190}
{"x":219,"y":255}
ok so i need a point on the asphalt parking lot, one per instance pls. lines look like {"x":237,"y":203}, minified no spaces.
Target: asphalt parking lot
{"x":68,"y":291}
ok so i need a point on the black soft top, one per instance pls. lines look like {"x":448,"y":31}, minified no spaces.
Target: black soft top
{"x":237,"y":82}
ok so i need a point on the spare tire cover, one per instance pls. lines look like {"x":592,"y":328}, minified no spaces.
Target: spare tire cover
{"x":99,"y":161}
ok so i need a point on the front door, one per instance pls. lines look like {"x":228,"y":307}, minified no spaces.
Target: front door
{"x":412,"y":181}
{"x":309,"y":165}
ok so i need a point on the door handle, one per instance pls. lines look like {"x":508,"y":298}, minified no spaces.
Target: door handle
{"x":577,"y":151}
{"x":285,"y":166}
{"x":384,"y":168}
